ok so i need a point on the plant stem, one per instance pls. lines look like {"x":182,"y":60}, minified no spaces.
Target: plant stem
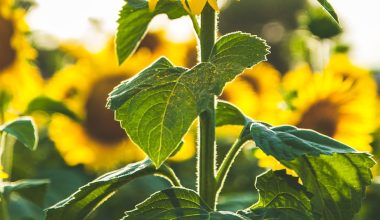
{"x":207,"y":147}
{"x":4,"y":212}
{"x":169,"y":174}
{"x":227,"y":163}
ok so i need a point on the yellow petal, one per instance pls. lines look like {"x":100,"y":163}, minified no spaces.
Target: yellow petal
{"x":214,"y":4}
{"x":196,"y":6}
{"x":152,"y":4}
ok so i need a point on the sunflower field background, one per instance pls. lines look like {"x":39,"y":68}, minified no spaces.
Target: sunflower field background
{"x":309,"y":80}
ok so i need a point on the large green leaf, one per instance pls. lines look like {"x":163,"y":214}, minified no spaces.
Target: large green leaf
{"x":157,"y":107}
{"x":177,"y":203}
{"x":134,"y":19}
{"x":50,"y":106}
{"x":24,"y":130}
{"x":281,"y":197}
{"x":162,"y":103}
{"x":337,"y":182}
{"x":335,"y":173}
{"x":88,"y":197}
{"x":328,"y":7}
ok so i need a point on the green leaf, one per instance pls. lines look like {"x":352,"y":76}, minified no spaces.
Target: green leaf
{"x":328,"y":7}
{"x":24,"y":130}
{"x":33,"y":190}
{"x":88,"y":197}
{"x":335,"y":173}
{"x":50,"y":106}
{"x":160,"y":104}
{"x":134,"y":19}
{"x":281,"y":197}
{"x":287,"y":143}
{"x":157,"y":106}
{"x":235,"y":52}
{"x":228,"y":114}
{"x":177,"y":203}
{"x":337,"y":182}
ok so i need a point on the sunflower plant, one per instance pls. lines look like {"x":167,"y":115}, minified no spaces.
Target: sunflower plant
{"x":158,"y":106}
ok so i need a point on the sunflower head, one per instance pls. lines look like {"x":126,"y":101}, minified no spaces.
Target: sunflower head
{"x":8,"y":53}
{"x":339,"y":106}
{"x":15,"y":69}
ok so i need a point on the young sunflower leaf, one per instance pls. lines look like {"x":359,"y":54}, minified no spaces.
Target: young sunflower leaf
{"x":235,"y":52}
{"x":88,"y":197}
{"x":281,"y":197}
{"x":24,"y":130}
{"x":228,"y":114}
{"x":328,"y":7}
{"x":158,"y":105}
{"x":134,"y":19}
{"x":177,"y":203}
{"x":334,"y":173}
{"x":50,"y":106}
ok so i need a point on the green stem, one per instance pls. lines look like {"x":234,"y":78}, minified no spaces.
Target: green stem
{"x":169,"y":174}
{"x":227,"y":163}
{"x":195,"y":25}
{"x":207,"y":146}
{"x":7,"y":143}
{"x":4,"y":212}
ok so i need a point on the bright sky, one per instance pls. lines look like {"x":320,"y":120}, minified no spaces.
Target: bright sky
{"x":71,"y":19}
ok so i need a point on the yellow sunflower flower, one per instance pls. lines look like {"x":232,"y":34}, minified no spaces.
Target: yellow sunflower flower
{"x":192,"y":6}
{"x":18,"y":77}
{"x":339,"y":105}
{"x":99,"y":143}
{"x":257,"y":93}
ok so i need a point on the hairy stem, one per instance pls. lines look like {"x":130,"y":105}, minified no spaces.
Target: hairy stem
{"x":207,"y":148}
{"x":169,"y":174}
{"x":227,"y":163}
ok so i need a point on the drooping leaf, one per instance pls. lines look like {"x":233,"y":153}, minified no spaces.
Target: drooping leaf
{"x":177,"y":203}
{"x":334,"y":173}
{"x":337,"y":181}
{"x":281,"y":197}
{"x":328,"y":7}
{"x":134,"y":19}
{"x":50,"y":106}
{"x":81,"y":203}
{"x":157,"y":107}
{"x":287,"y":143}
{"x":24,"y":130}
{"x":228,"y":114}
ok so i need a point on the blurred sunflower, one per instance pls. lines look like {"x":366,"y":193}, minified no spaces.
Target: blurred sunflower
{"x":257,"y":93}
{"x":3,"y":175}
{"x":18,"y":77}
{"x":340,"y":103}
{"x":98,"y":142}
